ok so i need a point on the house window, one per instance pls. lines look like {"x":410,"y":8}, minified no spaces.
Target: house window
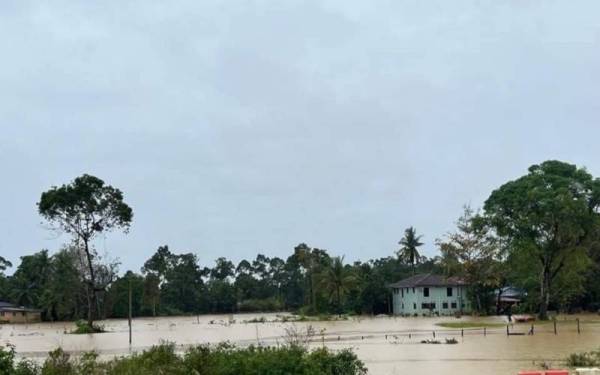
{"x":462,"y":305}
{"x":14,"y":313}
{"x":445,"y":305}
{"x":402,"y":293}
{"x":428,"y":306}
{"x":403,"y":306}
{"x":22,"y":313}
{"x":453,"y":305}
{"x":413,"y":290}
{"x":414,"y":306}
{"x":449,"y":292}
{"x":425,"y":292}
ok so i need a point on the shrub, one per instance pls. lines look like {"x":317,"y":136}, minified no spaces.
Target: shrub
{"x":82,"y":327}
{"x":589,"y":359}
{"x":222,"y":359}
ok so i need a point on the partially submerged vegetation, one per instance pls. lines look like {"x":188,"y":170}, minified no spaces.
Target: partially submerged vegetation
{"x":223,"y":359}
{"x":460,"y":325}
{"x":588,"y":359}
{"x":83,"y":327}
{"x":489,"y":250}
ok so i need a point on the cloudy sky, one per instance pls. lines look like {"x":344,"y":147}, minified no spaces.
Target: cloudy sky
{"x":237,"y":127}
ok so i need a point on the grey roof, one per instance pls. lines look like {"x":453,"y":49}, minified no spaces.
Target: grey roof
{"x":6,"y":306}
{"x":428,"y":279}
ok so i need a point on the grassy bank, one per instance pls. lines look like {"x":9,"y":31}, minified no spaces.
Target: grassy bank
{"x":223,"y":359}
{"x":461,"y":325}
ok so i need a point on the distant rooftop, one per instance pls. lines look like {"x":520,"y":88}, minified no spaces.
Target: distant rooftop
{"x":428,"y":279}
{"x":7,"y":306}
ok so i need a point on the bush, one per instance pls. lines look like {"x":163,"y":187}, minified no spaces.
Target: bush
{"x":9,"y":366}
{"x":260,"y":305}
{"x":590,"y":359}
{"x":222,"y":359}
{"x":82,"y":327}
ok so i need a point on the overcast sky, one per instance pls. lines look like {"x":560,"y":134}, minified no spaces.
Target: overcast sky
{"x":237,"y":127}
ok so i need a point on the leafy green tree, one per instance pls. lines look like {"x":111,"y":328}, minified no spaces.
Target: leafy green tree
{"x":30,"y":279}
{"x":409,"y":252}
{"x":337,"y":280}
{"x":85,"y":208}
{"x":183,"y":290}
{"x":155,"y":270}
{"x":118,"y":295}
{"x":223,"y":269}
{"x":477,"y":255}
{"x":65,"y":292}
{"x":551,"y":215}
{"x":4,"y":289}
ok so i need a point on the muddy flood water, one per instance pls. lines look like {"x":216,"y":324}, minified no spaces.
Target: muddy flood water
{"x":387,"y":345}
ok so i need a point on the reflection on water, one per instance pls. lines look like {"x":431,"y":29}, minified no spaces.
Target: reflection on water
{"x":386,"y":345}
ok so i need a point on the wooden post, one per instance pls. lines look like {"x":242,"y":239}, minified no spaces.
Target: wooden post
{"x":507,"y":333}
{"x":409,"y":336}
{"x":532,"y":329}
{"x":485,"y":331}
{"x":129,"y":320}
{"x":578,"y":328}
{"x":462,"y":333}
{"x":434,"y":334}
{"x":555,"y":326}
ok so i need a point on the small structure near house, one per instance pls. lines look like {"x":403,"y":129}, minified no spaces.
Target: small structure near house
{"x":10,"y":313}
{"x":430,"y":294}
{"x":507,"y":298}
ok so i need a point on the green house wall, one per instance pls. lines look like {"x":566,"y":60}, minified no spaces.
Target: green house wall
{"x":410,"y":301}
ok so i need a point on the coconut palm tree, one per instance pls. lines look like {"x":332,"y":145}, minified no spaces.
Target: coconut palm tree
{"x":337,"y":280}
{"x":408,"y":253}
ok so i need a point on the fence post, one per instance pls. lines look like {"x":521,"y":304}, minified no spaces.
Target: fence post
{"x":462,"y":333}
{"x":555,"y":332}
{"x":507,"y":334}
{"x":484,"y":331}
{"x":578,"y":328}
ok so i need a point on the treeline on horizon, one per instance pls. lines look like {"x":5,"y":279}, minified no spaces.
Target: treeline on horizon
{"x":540,"y":233}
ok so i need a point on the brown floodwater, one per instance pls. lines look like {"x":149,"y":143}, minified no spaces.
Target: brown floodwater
{"x":387,"y":345}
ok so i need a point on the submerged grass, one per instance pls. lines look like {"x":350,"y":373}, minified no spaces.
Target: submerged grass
{"x":469,"y":325}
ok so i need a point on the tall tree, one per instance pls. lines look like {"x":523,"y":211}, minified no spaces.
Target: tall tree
{"x":85,"y":208}
{"x":4,"y":292}
{"x":337,"y":280}
{"x":155,"y":271}
{"x":551,"y":215}
{"x":472,"y":252}
{"x":410,"y":243}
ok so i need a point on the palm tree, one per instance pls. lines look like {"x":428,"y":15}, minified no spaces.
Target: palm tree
{"x":337,"y":280}
{"x":408,"y":252}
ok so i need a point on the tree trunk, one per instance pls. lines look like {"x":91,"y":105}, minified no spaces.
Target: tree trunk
{"x":92,"y":298}
{"x":544,"y":293}
{"x":313,"y":293}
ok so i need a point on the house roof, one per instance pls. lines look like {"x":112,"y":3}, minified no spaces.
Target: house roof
{"x":427,"y":279}
{"x":6,"y":306}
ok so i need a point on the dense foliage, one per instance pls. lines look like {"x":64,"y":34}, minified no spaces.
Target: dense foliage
{"x":223,"y":359}
{"x":309,"y":280}
{"x":539,"y":233}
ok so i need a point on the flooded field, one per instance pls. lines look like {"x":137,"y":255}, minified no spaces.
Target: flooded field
{"x":388,"y":345}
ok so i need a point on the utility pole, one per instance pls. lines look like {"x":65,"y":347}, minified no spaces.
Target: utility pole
{"x":129,"y":312}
